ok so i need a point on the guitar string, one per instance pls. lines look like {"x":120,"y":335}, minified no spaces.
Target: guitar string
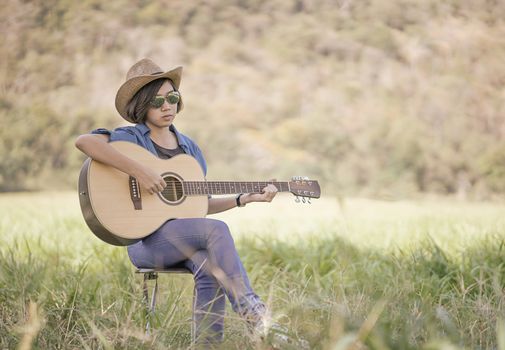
{"x":169,"y":191}
{"x":214,"y":190}
{"x":179,"y":187}
{"x":216,"y":186}
{"x":221,"y":185}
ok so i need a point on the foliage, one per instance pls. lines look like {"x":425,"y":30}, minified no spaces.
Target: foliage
{"x":372,"y":97}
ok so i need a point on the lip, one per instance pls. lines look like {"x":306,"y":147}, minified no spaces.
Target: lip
{"x":167,"y":116}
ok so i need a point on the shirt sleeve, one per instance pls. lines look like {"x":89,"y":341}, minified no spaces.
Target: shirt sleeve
{"x":119,"y":134}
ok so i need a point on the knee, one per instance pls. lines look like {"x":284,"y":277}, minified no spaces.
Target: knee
{"x":218,"y":230}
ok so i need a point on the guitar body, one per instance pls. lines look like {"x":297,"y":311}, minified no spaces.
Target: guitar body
{"x":106,"y":199}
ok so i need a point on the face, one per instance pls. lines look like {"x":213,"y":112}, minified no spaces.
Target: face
{"x":164,"y":116}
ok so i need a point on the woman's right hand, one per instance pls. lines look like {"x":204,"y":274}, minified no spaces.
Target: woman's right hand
{"x":149,"y":180}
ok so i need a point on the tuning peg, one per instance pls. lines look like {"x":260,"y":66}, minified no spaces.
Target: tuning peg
{"x":297,"y":199}
{"x":308,"y":201}
{"x":305,"y":177}
{"x":303,"y":199}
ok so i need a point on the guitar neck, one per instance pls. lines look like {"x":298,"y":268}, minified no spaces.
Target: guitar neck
{"x":230,"y":187}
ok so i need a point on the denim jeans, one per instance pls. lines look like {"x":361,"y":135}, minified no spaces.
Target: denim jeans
{"x":206,"y":248}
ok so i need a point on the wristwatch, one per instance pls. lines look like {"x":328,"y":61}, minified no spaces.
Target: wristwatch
{"x":237,"y":199}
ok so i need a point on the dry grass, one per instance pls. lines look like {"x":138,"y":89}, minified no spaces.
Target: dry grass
{"x":350,"y":274}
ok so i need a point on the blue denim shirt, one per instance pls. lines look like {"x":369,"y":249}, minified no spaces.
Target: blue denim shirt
{"x":139,"y":134}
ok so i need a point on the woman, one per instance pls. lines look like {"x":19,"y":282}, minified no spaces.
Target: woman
{"x":150,"y":99}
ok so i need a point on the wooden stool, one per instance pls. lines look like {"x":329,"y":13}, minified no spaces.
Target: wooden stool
{"x":152,"y":274}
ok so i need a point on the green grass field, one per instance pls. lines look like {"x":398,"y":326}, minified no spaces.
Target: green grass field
{"x":353,"y":274}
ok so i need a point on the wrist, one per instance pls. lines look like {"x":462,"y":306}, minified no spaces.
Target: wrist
{"x":135,"y":169}
{"x":245,"y":199}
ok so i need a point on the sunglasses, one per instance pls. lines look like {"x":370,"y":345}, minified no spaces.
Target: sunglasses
{"x":173,"y":97}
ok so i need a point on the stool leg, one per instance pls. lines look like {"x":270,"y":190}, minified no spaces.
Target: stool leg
{"x":153,"y":298}
{"x":150,"y":307}
{"x":145,"y":300}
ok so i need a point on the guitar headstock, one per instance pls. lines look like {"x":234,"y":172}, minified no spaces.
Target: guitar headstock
{"x":303,"y":187}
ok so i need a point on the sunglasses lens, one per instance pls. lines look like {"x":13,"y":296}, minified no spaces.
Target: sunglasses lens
{"x":173,"y":98}
{"x":157,"y":102}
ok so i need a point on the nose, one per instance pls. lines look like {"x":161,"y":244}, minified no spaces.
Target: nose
{"x":165,"y":106}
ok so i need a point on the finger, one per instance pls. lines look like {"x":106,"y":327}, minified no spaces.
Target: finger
{"x":267,"y":192}
{"x":270,"y":188}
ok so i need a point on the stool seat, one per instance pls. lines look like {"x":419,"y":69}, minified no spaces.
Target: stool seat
{"x":177,"y":268}
{"x":162,"y":270}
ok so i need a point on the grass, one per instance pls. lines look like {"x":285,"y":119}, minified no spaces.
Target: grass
{"x":344,"y":275}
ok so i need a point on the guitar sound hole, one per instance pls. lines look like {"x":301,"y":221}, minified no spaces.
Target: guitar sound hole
{"x":174,"y":191}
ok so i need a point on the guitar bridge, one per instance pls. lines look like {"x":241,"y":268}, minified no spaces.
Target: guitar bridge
{"x":135,"y":193}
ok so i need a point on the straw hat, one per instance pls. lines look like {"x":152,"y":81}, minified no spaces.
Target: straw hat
{"x":140,"y":74}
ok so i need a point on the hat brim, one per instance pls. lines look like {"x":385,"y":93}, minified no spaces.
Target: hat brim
{"x":133,"y":85}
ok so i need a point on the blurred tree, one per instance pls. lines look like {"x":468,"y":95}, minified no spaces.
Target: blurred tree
{"x":371,"y":97}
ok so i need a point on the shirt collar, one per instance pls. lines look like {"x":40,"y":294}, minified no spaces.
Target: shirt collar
{"x":144,"y":129}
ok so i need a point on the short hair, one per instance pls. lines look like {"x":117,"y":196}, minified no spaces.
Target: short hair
{"x":137,"y":107}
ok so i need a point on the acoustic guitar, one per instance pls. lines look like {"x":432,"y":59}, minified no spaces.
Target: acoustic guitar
{"x":117,"y":212}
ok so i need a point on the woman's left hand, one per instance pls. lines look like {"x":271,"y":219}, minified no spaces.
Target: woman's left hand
{"x":267,"y":195}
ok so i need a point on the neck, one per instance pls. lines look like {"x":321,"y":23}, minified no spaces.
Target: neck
{"x":228,"y":187}
{"x":159,"y":132}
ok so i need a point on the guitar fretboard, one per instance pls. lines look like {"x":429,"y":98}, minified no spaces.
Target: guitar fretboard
{"x":229,"y":187}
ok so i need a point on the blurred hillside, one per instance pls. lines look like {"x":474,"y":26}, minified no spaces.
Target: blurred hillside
{"x":377,"y":97}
